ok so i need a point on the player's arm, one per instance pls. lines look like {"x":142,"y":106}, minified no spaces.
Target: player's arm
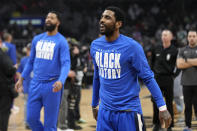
{"x":65,"y":66}
{"x":95,"y":92}
{"x":139,"y":62}
{"x":96,"y":87}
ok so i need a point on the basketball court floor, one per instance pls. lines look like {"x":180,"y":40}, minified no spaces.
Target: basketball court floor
{"x":16,"y":122}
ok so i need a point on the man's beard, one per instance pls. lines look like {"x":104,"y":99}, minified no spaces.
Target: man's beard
{"x":50,"y":27}
{"x":108,"y":31}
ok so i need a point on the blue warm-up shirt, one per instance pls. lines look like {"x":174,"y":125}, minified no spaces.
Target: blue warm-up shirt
{"x":27,"y":80}
{"x":118,"y":65}
{"x":10,"y":51}
{"x":49,"y":58}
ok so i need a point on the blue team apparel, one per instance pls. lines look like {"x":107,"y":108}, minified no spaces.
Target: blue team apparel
{"x":27,"y":80}
{"x":10,"y":51}
{"x":50,"y":61}
{"x":119,"y":121}
{"x":118,"y":65}
{"x":49,"y":58}
{"x":40,"y":94}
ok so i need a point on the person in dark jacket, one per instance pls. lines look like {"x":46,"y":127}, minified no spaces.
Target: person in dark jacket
{"x":7,"y":94}
{"x":163,"y":64}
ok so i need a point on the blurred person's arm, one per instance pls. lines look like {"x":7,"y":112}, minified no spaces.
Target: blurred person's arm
{"x":28,"y":67}
{"x":182,"y":63}
{"x":192,"y":61}
{"x":20,"y":69}
{"x":13,"y":55}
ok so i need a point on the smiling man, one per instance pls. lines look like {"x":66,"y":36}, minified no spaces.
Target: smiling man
{"x":118,"y":62}
{"x":50,"y":61}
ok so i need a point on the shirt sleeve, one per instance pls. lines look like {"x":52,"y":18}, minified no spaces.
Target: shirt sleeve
{"x":96,"y":83}
{"x":6,"y":65}
{"x":13,"y":54}
{"x":20,"y":68}
{"x":139,"y":62}
{"x":65,"y":61}
{"x":29,"y":66}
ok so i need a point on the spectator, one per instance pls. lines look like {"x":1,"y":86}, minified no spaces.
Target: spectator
{"x":10,"y":48}
{"x":7,"y":72}
{"x":187,"y":62}
{"x":163,"y":64}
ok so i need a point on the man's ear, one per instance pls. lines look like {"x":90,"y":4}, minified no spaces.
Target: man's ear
{"x":118,"y":24}
{"x":58,"y":23}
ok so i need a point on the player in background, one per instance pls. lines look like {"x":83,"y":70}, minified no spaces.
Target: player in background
{"x":50,"y":61}
{"x":11,"y":48}
{"x":26,"y":82}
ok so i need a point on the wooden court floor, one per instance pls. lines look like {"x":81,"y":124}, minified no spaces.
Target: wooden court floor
{"x":16,"y":122}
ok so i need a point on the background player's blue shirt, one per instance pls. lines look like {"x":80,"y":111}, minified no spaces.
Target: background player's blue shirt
{"x":10,"y":51}
{"x":49,"y":58}
{"x":27,"y":80}
{"x":118,"y":65}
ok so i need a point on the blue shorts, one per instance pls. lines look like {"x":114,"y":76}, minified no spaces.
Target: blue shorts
{"x":119,"y":121}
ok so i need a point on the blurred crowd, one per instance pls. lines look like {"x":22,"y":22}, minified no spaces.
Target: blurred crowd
{"x":145,"y":19}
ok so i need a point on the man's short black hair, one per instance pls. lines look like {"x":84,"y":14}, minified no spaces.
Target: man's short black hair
{"x":119,"y":14}
{"x":57,"y":14}
{"x":192,"y":29}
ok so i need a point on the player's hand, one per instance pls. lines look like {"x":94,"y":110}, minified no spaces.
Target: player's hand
{"x":165,"y":118}
{"x":71,"y":74}
{"x":57,"y":86}
{"x":95,"y":112}
{"x":19,"y":85}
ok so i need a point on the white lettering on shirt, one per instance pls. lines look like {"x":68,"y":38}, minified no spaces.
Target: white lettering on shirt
{"x":108,"y":64}
{"x":45,"y":49}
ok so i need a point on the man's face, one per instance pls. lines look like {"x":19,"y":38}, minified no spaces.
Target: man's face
{"x":51,"y":22}
{"x":107,"y":23}
{"x":192,"y":38}
{"x":166,"y":36}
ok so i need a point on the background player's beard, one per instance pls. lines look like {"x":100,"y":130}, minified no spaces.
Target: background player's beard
{"x":108,"y":30}
{"x":50,"y":27}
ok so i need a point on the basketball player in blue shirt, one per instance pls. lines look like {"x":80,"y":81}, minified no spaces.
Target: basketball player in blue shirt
{"x":50,"y":61}
{"x":26,"y":82}
{"x":10,"y":48}
{"x":118,"y":62}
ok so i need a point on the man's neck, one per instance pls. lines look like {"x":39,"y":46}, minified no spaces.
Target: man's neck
{"x":113,"y":37}
{"x":192,"y":45}
{"x":166,"y":45}
{"x":54,"y":32}
{"x":8,"y":41}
